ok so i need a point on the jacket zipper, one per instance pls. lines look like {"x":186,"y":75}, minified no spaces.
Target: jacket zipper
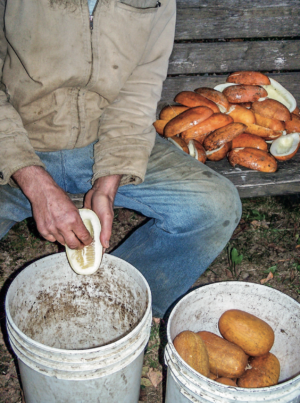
{"x":92,"y":17}
{"x":91,"y":20}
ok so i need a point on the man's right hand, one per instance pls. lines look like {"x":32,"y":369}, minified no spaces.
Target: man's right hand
{"x":56,"y":217}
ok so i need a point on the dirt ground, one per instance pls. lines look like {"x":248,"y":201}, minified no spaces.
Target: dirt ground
{"x":265,"y":248}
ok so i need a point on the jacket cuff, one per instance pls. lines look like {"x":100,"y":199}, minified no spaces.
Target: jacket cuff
{"x":9,"y":178}
{"x":129,"y":162}
{"x":14,"y":156}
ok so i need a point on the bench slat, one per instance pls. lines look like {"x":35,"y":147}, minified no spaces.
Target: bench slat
{"x":237,"y":5}
{"x":237,"y":20}
{"x":222,"y":57}
{"x":174,"y":85}
{"x":252,"y":183}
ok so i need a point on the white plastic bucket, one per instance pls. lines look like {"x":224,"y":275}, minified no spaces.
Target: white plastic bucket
{"x":201,"y":310}
{"x":79,"y":338}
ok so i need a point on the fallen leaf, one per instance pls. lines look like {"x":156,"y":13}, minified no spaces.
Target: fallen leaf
{"x":298,"y":246}
{"x":155,"y":377}
{"x":228,"y":273}
{"x":260,"y":224}
{"x":269,"y":277}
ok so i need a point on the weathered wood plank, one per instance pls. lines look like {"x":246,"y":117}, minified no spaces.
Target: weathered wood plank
{"x":173,"y":85}
{"x":77,"y":199}
{"x":223,"y":57}
{"x":236,"y":4}
{"x":238,"y":20}
{"x":252,"y":183}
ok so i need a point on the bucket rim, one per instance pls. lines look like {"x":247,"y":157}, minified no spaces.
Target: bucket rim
{"x":188,"y":368}
{"x":106,"y":347}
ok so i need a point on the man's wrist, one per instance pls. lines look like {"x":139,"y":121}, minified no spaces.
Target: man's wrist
{"x":108,"y":184}
{"x":29,"y":177}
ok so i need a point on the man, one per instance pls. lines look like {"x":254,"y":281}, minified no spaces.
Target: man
{"x":78,"y":102}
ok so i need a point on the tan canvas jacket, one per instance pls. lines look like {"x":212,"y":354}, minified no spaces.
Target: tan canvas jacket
{"x":66,"y":85}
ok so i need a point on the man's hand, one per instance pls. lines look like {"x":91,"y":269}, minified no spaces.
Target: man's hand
{"x":100,"y":199}
{"x":56,"y":217}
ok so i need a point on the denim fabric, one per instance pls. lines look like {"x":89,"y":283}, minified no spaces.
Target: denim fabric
{"x":192,"y":209}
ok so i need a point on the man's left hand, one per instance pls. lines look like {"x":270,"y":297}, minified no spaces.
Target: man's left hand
{"x":100,"y":199}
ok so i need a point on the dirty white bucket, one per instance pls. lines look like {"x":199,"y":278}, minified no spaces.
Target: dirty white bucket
{"x":79,"y":338}
{"x":201,"y":310}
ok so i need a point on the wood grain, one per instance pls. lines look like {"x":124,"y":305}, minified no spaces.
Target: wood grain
{"x":223,"y":57}
{"x":252,"y":183}
{"x":236,"y":19}
{"x":236,"y":4}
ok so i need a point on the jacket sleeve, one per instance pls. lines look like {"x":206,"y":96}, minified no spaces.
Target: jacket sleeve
{"x":13,"y":136}
{"x":126,"y":132}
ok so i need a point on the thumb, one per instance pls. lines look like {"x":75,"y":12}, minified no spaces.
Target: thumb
{"x":88,"y":200}
{"x":106,"y":228}
{"x":105,"y":213}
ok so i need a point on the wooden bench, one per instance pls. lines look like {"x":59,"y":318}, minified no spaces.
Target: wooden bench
{"x":216,"y":37}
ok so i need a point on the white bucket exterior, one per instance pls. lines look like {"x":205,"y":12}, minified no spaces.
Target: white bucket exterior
{"x":79,"y":338}
{"x":201,"y":310}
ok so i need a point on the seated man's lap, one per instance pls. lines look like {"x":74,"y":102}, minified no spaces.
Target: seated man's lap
{"x":194,"y":211}
{"x":177,"y":190}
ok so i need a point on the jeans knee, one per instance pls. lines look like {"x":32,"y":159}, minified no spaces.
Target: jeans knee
{"x":204,"y":204}
{"x":227,"y":205}
{"x":219,"y":206}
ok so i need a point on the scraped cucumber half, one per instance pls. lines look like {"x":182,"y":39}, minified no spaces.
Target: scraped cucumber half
{"x":87,"y":260}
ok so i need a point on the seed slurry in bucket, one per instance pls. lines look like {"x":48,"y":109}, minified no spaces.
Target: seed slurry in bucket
{"x":79,"y":338}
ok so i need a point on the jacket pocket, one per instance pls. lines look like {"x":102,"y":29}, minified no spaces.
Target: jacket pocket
{"x":139,"y":6}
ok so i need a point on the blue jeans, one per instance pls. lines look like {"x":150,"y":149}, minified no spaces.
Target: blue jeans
{"x":193,"y":212}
